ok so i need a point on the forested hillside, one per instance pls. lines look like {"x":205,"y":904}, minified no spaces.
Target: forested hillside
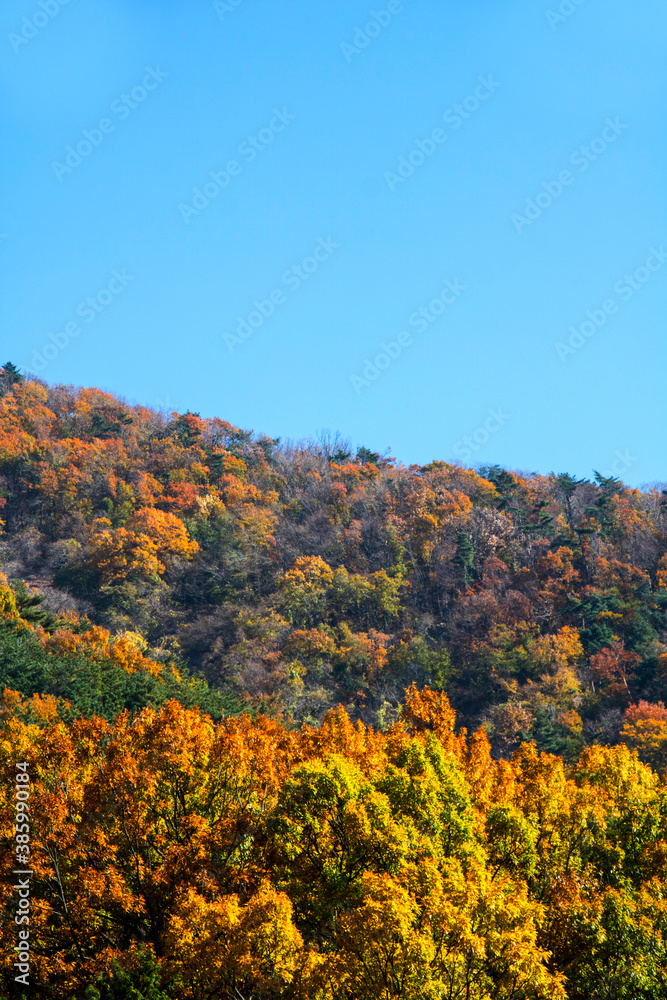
{"x":241,"y":679}
{"x":293,"y":579}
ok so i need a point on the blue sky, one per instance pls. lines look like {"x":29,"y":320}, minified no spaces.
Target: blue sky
{"x":369,"y":158}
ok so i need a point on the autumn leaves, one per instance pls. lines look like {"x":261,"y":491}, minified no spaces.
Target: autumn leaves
{"x":338,"y":862}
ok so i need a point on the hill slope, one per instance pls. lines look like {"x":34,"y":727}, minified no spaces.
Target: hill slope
{"x":296,"y":578}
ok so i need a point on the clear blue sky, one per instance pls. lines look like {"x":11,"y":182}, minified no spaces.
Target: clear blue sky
{"x":306,"y":122}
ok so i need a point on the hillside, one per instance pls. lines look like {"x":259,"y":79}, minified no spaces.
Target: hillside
{"x":288,"y":722}
{"x":295,"y":578}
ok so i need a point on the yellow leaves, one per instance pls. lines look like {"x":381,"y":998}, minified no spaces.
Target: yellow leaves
{"x":308,"y":572}
{"x":309,"y":644}
{"x":616,"y":777}
{"x":166,"y":531}
{"x":127,"y":651}
{"x":381,"y":951}
{"x":559,"y":650}
{"x":661,"y":575}
{"x":312,"y":591}
{"x":234,"y":466}
{"x":542,"y":784}
{"x":238,"y":949}
{"x":22,"y":720}
{"x":257,"y":525}
{"x":303,"y":589}
{"x":648,"y":737}
{"x":210,"y":505}
{"x":8,"y":607}
{"x":560,"y":694}
{"x":254,"y":520}
{"x":469,"y":937}
{"x":256,"y":625}
{"x":331,"y":863}
{"x":463,"y":480}
{"x":571,"y":721}
{"x":514,"y":959}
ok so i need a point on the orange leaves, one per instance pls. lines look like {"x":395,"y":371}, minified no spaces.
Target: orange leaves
{"x":15,"y":444}
{"x":152,"y":538}
{"x":431,"y":710}
{"x":24,"y":421}
{"x":166,"y":531}
{"x":427,"y":508}
{"x":309,"y":645}
{"x":557,"y":572}
{"x":571,"y":721}
{"x":511,"y":724}
{"x":337,"y":734}
{"x":116,"y":555}
{"x":126,"y":650}
{"x":452,"y":477}
{"x":183,"y":498}
{"x":331,"y":861}
{"x":236,"y":493}
{"x":362,"y":654}
{"x":254,"y":521}
{"x":645,"y":711}
{"x":334,"y":862}
{"x":628,"y":512}
{"x":235,"y":468}
{"x":622,"y":575}
{"x":645,"y":731}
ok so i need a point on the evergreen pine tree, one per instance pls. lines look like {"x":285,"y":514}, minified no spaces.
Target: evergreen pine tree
{"x":9,"y":377}
{"x":465,"y":558}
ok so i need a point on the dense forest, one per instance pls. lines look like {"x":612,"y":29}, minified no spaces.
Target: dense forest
{"x":304,"y":722}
